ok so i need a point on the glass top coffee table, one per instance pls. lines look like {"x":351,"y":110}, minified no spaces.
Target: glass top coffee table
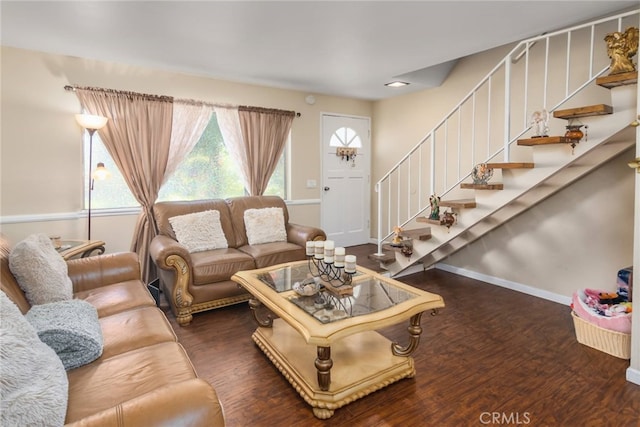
{"x":326,"y":344}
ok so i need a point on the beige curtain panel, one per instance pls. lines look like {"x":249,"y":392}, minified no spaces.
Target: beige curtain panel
{"x":265,"y":132}
{"x":138,"y":138}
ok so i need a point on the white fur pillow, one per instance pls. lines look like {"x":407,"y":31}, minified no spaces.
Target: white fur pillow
{"x":200,"y":231}
{"x":40,"y":271}
{"x":34,"y":390}
{"x":265,"y":225}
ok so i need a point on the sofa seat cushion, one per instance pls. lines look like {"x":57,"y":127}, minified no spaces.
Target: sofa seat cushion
{"x":117,"y":297}
{"x":134,"y":329}
{"x":110,"y":382}
{"x":268,"y":254}
{"x":219,"y":265}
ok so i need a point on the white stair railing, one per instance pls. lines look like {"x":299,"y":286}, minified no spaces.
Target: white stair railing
{"x":539,"y":73}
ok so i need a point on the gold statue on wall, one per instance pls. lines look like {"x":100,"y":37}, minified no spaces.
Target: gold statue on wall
{"x":621,"y":47}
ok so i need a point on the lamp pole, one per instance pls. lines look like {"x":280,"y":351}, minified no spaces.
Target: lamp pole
{"x":91,"y":132}
{"x":91,"y":123}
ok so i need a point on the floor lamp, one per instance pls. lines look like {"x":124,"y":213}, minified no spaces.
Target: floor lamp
{"x":91,"y":123}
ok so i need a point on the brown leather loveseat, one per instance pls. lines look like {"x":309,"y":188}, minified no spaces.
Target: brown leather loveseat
{"x":201,"y":280}
{"x":144,"y":376}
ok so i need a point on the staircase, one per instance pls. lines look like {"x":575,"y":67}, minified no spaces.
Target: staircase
{"x":526,"y":169}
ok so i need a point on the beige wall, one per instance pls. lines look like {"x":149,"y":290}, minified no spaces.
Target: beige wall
{"x":41,"y":174}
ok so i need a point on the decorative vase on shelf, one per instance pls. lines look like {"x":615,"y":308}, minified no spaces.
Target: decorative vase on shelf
{"x":574,"y":133}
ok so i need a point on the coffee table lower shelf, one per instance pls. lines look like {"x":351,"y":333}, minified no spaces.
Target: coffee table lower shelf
{"x":362,"y":364}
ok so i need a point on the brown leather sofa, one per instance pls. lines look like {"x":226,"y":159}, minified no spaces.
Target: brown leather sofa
{"x":144,"y":376}
{"x":195,"y":282}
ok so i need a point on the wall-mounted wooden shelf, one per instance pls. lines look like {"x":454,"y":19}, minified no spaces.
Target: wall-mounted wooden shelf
{"x":482,"y":186}
{"x":591,"y":110}
{"x":544,"y":140}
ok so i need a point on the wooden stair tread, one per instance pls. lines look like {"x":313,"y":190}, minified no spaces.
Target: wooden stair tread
{"x":591,"y":110}
{"x":427,"y":220}
{"x":460,"y":203}
{"x":618,"y":79}
{"x":385,"y":258}
{"x":418,"y":233}
{"x":482,"y":186}
{"x":544,"y":140}
{"x":511,"y":165}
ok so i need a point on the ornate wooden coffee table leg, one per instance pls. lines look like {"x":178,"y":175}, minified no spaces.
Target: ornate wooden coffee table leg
{"x":256,"y":306}
{"x":414,"y":331}
{"x":323,"y":365}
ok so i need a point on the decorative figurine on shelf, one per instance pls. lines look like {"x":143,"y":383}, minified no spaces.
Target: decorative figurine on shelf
{"x":397,"y":235}
{"x":621,"y":47}
{"x":407,"y":248}
{"x":540,"y":123}
{"x":481,"y":173}
{"x":434,"y":201}
{"x":448,"y":219}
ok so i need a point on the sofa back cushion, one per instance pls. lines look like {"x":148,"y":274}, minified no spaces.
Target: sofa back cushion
{"x":8,"y":282}
{"x":237,"y":207}
{"x":162,"y":211}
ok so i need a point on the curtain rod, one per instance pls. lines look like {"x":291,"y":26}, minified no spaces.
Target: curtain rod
{"x":73,"y":88}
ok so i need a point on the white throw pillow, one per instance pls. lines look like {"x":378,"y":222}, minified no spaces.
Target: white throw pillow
{"x":199,"y":231}
{"x":265,"y":225}
{"x":34,"y":390}
{"x":40,"y":271}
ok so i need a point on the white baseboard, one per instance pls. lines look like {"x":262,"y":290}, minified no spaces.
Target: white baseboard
{"x":530,"y":290}
{"x":633,"y":375}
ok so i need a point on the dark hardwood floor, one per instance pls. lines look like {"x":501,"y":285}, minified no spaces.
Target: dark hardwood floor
{"x":492,"y":356}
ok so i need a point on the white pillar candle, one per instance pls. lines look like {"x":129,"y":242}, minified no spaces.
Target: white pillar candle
{"x":328,"y":251}
{"x":319,"y":249}
{"x":311,"y":248}
{"x":339,"y":254}
{"x":350,"y":263}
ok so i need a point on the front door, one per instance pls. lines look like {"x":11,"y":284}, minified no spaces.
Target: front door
{"x":346,"y":171}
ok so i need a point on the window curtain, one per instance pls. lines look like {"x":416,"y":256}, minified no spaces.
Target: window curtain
{"x":190,"y":119}
{"x":229,"y":124}
{"x":138,"y":138}
{"x":256,"y":140}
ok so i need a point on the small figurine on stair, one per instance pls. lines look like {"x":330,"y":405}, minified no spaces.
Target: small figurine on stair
{"x":434,"y":202}
{"x":621,"y":47}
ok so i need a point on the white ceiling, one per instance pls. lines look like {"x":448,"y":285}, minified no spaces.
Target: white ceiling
{"x":345,"y":48}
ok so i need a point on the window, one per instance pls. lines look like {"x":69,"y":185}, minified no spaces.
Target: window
{"x":207,"y":172}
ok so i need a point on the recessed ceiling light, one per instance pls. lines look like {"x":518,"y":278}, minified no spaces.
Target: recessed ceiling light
{"x":396,"y":84}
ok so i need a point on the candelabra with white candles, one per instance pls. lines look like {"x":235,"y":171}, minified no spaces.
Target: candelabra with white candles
{"x":329,"y":263}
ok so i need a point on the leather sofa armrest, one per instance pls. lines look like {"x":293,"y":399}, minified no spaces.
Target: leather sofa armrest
{"x":300,"y":234}
{"x":162,"y":247}
{"x":101,"y":270}
{"x":193,"y":403}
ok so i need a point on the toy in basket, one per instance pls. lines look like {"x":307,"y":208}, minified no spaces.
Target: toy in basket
{"x":602,"y":320}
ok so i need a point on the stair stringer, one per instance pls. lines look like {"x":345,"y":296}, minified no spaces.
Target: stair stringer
{"x":555,"y":168}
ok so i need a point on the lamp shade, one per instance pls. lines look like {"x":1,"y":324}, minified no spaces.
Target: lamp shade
{"x":101,"y":172}
{"x":89,"y":121}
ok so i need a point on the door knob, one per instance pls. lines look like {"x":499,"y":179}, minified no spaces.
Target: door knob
{"x":327,"y":188}
{"x":635,"y":164}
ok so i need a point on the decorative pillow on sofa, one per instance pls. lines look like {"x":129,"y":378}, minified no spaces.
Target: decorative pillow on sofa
{"x":199,"y":231}
{"x":265,"y":225}
{"x":40,"y":271}
{"x":34,"y":389}
{"x":71,"y":328}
